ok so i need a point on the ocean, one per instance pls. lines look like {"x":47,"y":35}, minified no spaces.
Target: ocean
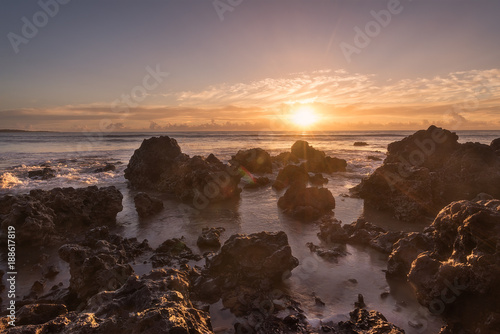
{"x":76,"y":156}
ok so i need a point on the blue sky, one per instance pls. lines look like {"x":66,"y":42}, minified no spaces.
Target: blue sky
{"x":434,"y":62}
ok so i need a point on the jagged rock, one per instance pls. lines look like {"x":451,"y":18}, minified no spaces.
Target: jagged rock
{"x":331,"y":231}
{"x":463,"y":265}
{"x":171,"y":252}
{"x":495,"y":145}
{"x":100,"y":261}
{"x":35,"y":314}
{"x":317,"y":161}
{"x":42,"y":174}
{"x":106,"y":168}
{"x":405,"y":251}
{"x":368,"y":322}
{"x":255,"y":160}
{"x":256,"y":257}
{"x":43,"y":216}
{"x":291,"y":175}
{"x":209,"y":237}
{"x":307,"y":203}
{"x":157,"y":303}
{"x":428,"y":170}
{"x":160,"y":165}
{"x":146,"y":205}
{"x":285,"y":158}
{"x":329,"y":254}
{"x":257,"y":182}
{"x":384,"y":242}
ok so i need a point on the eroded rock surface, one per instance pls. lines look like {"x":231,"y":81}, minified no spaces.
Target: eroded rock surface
{"x":255,"y":160}
{"x":307,"y":203}
{"x":146,"y":205}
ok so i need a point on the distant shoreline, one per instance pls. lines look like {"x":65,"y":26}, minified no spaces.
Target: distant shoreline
{"x":13,"y":130}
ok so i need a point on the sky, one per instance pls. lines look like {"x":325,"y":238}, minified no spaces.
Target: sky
{"x":121,"y":65}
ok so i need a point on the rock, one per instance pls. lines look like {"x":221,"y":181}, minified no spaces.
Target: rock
{"x":331,"y":231}
{"x":173,"y":252}
{"x":360,"y":143}
{"x":106,"y":168}
{"x":159,"y":164}
{"x":155,"y":303}
{"x":146,"y":205}
{"x":384,"y":242}
{"x":495,"y":145}
{"x":317,"y":161}
{"x":285,"y":158}
{"x":255,"y":257}
{"x":307,"y":203}
{"x":44,"y":216}
{"x":462,"y":267}
{"x":329,"y":254}
{"x":405,"y":251}
{"x":428,"y":170}
{"x":257,"y":182}
{"x":374,"y":158}
{"x":255,"y":160}
{"x":35,"y":314}
{"x":42,"y":174}
{"x":361,"y":302}
{"x":100,"y":262}
{"x":318,"y":179}
{"x":290,"y":175}
{"x":209,"y":237}
{"x":369,"y":322}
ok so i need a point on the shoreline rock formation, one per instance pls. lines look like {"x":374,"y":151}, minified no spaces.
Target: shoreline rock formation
{"x":428,"y":170}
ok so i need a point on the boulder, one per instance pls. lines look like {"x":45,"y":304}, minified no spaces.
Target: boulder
{"x":495,"y":145}
{"x":255,"y":257}
{"x":291,"y":175}
{"x":173,"y":252}
{"x":285,"y":158}
{"x":317,"y":179}
{"x":160,"y":165}
{"x":405,"y":251}
{"x":258,"y":182}
{"x":42,"y":174}
{"x":209,"y":237}
{"x":106,"y":168}
{"x":331,"y":231}
{"x":307,"y":203}
{"x":100,"y":262}
{"x":156,"y":303}
{"x":146,"y":205}
{"x":43,"y":216}
{"x":329,"y":254}
{"x":316,"y":160}
{"x":255,"y":160}
{"x":428,"y":170}
{"x":360,"y":143}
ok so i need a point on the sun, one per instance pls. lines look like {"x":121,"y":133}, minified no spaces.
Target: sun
{"x":304,"y":116}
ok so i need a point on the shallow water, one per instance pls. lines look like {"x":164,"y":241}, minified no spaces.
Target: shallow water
{"x":75,"y":156}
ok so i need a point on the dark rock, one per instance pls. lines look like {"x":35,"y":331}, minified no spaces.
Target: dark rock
{"x":157,"y":303}
{"x":462,"y":267}
{"x":209,"y":237}
{"x":42,"y":174}
{"x":38,"y":287}
{"x":307,"y":203}
{"x":146,"y":205}
{"x":35,"y":314}
{"x":160,"y":165}
{"x":173,"y":252}
{"x":360,"y":143}
{"x":364,"y":321}
{"x":374,"y":158}
{"x":405,"y":251}
{"x":255,"y":160}
{"x":285,"y":158}
{"x":291,"y":175}
{"x":213,"y":159}
{"x":384,"y":242}
{"x":100,"y":262}
{"x":317,"y":161}
{"x":107,"y":168}
{"x":44,"y":216}
{"x":318,"y":179}
{"x":495,"y":145}
{"x":331,"y":231}
{"x":428,"y":170}
{"x":258,"y":182}
{"x":329,"y":254}
{"x":255,"y":257}
{"x":361,"y":302}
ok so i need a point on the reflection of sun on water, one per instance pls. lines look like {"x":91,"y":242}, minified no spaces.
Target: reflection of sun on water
{"x":304,"y":116}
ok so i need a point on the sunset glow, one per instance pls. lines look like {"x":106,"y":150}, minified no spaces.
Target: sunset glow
{"x":304,"y":116}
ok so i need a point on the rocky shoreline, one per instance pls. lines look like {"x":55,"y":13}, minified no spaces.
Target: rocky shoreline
{"x":453,"y":265}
